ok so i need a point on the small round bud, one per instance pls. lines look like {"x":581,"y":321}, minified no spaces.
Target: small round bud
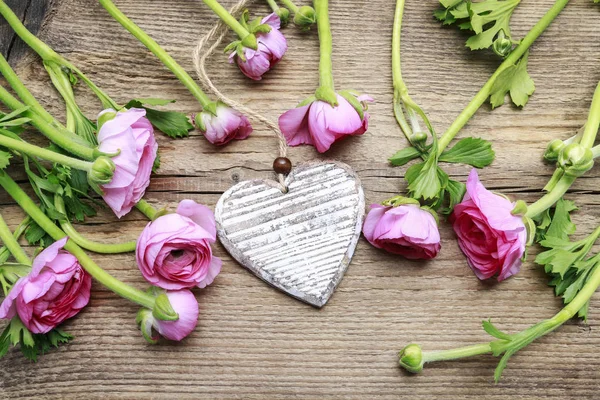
{"x":284,"y":15}
{"x":553,"y":150}
{"x":305,"y":17}
{"x":102,"y":171}
{"x":411,"y":358}
{"x":282,"y":165}
{"x":502,"y":46}
{"x":418,"y":138}
{"x":575,"y":159}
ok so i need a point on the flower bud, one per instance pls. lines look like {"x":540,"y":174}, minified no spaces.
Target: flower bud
{"x":502,"y":46}
{"x":102,"y":171}
{"x":553,"y":150}
{"x":305,"y":17}
{"x":411,"y":358}
{"x":418,"y":139}
{"x":575,"y":159}
{"x":284,"y":15}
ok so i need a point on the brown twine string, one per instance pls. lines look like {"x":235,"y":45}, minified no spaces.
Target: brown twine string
{"x":201,"y":54}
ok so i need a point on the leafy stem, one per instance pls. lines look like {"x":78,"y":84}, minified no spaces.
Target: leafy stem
{"x":87,"y":244}
{"x":159,"y":52}
{"x":37,"y":215}
{"x":11,"y":243}
{"x":485,"y":92}
{"x":45,"y":154}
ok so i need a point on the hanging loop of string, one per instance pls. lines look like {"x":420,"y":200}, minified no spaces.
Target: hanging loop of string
{"x":204,"y":49}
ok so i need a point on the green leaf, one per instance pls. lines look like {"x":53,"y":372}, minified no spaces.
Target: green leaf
{"x":472,"y":151}
{"x":493,"y":331}
{"x":35,"y":235}
{"x":455,"y":193}
{"x":171,"y":123}
{"x":561,"y":225}
{"x":404,"y":156}
{"x":15,"y":113}
{"x":4,"y":159}
{"x":514,"y":80}
{"x":150,"y":102}
{"x":424,"y":180}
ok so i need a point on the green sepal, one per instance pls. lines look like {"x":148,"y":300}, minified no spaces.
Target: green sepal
{"x":327,"y":94}
{"x":351,"y":98}
{"x":399,"y":201}
{"x":145,"y":321}
{"x":307,"y":101}
{"x":520,"y":208}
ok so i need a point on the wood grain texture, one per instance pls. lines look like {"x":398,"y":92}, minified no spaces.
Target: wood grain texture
{"x":32,"y":13}
{"x":252,"y":341}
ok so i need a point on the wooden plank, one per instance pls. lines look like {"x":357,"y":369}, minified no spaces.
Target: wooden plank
{"x":33,"y":20}
{"x":253,"y":342}
{"x":7,"y":35}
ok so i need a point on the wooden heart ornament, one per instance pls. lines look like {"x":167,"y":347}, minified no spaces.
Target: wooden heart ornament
{"x":300,"y":241}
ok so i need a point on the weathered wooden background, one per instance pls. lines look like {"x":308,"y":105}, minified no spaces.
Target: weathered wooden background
{"x":253,"y":342}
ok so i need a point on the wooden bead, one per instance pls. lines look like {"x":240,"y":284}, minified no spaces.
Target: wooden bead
{"x":282,"y":165}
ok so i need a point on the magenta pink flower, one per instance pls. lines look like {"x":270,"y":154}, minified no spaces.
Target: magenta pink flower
{"x":271,"y":48}
{"x":407,"y":230}
{"x":131,"y":135}
{"x":185,"y":304}
{"x":226,"y":125}
{"x":173,"y":252}
{"x":56,"y":289}
{"x":490,"y":236}
{"x":320,"y":124}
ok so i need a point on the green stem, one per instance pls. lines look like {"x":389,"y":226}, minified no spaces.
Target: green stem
{"x":226,"y":17}
{"x":289,"y":4}
{"x":146,"y":208}
{"x":11,"y":243}
{"x":325,"y":45}
{"x":4,"y":252}
{"x":48,"y":54}
{"x":593,"y":121}
{"x":537,"y":331}
{"x":400,"y":87}
{"x":120,"y":288}
{"x":13,"y":80}
{"x":158,"y":51}
{"x":486,"y":90}
{"x":551,"y":197}
{"x":87,"y":244}
{"x":44,"y":154}
{"x":273,"y":5}
{"x":61,"y":137}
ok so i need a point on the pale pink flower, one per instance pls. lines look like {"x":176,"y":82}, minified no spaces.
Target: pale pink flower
{"x":491,"y":237}
{"x":56,"y":289}
{"x":226,"y":125}
{"x":174,"y":251}
{"x":271,"y":48}
{"x":131,"y":135}
{"x":320,"y":124}
{"x":407,"y":230}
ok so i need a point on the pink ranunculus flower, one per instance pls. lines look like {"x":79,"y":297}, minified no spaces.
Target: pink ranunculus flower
{"x":271,"y":48}
{"x":320,"y":124}
{"x":131,"y":135}
{"x":56,"y":289}
{"x":185,"y":304}
{"x":491,"y":237}
{"x":407,"y":230}
{"x":226,"y":125}
{"x":173,"y":252}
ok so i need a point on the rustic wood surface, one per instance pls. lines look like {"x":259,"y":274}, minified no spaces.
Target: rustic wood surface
{"x":252,"y":341}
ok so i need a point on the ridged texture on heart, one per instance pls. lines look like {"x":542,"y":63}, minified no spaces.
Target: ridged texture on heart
{"x":302,"y":241}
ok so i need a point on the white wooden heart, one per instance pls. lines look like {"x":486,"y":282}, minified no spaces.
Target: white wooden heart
{"x":301,"y":241}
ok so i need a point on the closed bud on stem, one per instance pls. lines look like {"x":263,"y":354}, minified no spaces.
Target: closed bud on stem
{"x":418,"y":139}
{"x":575,"y":159}
{"x":305,"y":17}
{"x":283,"y":14}
{"x":553,"y":150}
{"x":102,"y":171}
{"x":502,"y":46}
{"x":411,"y":358}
